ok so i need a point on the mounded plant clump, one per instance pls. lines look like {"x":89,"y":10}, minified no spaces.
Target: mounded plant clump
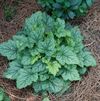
{"x":67,"y":9}
{"x":46,"y":54}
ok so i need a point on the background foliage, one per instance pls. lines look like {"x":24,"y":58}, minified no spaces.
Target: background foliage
{"x":67,"y":9}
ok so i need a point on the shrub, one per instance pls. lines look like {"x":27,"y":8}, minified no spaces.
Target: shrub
{"x":47,"y":54}
{"x":67,"y":9}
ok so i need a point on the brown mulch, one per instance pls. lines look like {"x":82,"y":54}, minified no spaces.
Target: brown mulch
{"x":86,"y":90}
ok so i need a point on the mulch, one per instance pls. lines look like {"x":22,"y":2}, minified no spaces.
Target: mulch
{"x":86,"y":90}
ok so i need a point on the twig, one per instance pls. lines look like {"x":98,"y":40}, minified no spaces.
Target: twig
{"x":89,"y":44}
{"x":15,"y":96}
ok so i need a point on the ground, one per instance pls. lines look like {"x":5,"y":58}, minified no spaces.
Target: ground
{"x":86,"y":90}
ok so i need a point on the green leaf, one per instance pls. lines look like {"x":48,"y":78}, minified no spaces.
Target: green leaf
{"x":38,"y":67}
{"x":26,"y":60}
{"x":55,"y":85}
{"x":89,"y":2}
{"x":89,"y":60}
{"x":6,"y":98}
{"x":34,"y":52}
{"x":26,"y":78}
{"x":43,"y":77}
{"x":71,"y":14}
{"x":1,"y":94}
{"x":21,"y":42}
{"x":82,"y":70}
{"x":53,"y":67}
{"x":35,"y":58}
{"x":40,"y":86}
{"x":48,"y":46}
{"x":8,"y":49}
{"x":60,"y":28}
{"x":13,"y":71}
{"x":46,"y":99}
{"x":76,"y":34}
{"x":65,"y":55}
{"x":35,"y":36}
{"x":66,"y":9}
{"x":71,"y":73}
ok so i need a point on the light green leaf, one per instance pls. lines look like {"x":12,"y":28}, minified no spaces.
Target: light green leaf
{"x":26,"y":78}
{"x":8,"y":49}
{"x":35,"y":58}
{"x":53,"y":67}
{"x":46,"y":99}
{"x":65,"y":55}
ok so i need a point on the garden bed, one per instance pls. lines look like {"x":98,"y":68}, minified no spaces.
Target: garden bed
{"x":86,"y":90}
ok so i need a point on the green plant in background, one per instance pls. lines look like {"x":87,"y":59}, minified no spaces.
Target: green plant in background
{"x":10,"y":8}
{"x":47,"y":54}
{"x":67,"y":9}
{"x":9,"y":12}
{"x":3,"y":96}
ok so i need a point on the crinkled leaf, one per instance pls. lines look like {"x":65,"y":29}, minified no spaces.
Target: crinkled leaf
{"x":21,"y":42}
{"x":26,"y":78}
{"x":43,"y":77}
{"x":56,"y":85}
{"x":8,"y":49}
{"x":53,"y":86}
{"x":76,"y":34}
{"x":71,"y":73}
{"x":38,"y":67}
{"x":41,"y":86}
{"x":13,"y":71}
{"x":89,"y":60}
{"x":48,"y":46}
{"x":65,"y":55}
{"x":26,"y":60}
{"x":53,"y":67}
{"x":82,"y":70}
{"x":35,"y":36}
{"x":60,"y":28}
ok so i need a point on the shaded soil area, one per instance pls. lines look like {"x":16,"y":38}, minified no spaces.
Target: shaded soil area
{"x":86,"y":90}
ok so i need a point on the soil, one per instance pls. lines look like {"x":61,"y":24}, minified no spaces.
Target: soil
{"x":86,"y":90}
